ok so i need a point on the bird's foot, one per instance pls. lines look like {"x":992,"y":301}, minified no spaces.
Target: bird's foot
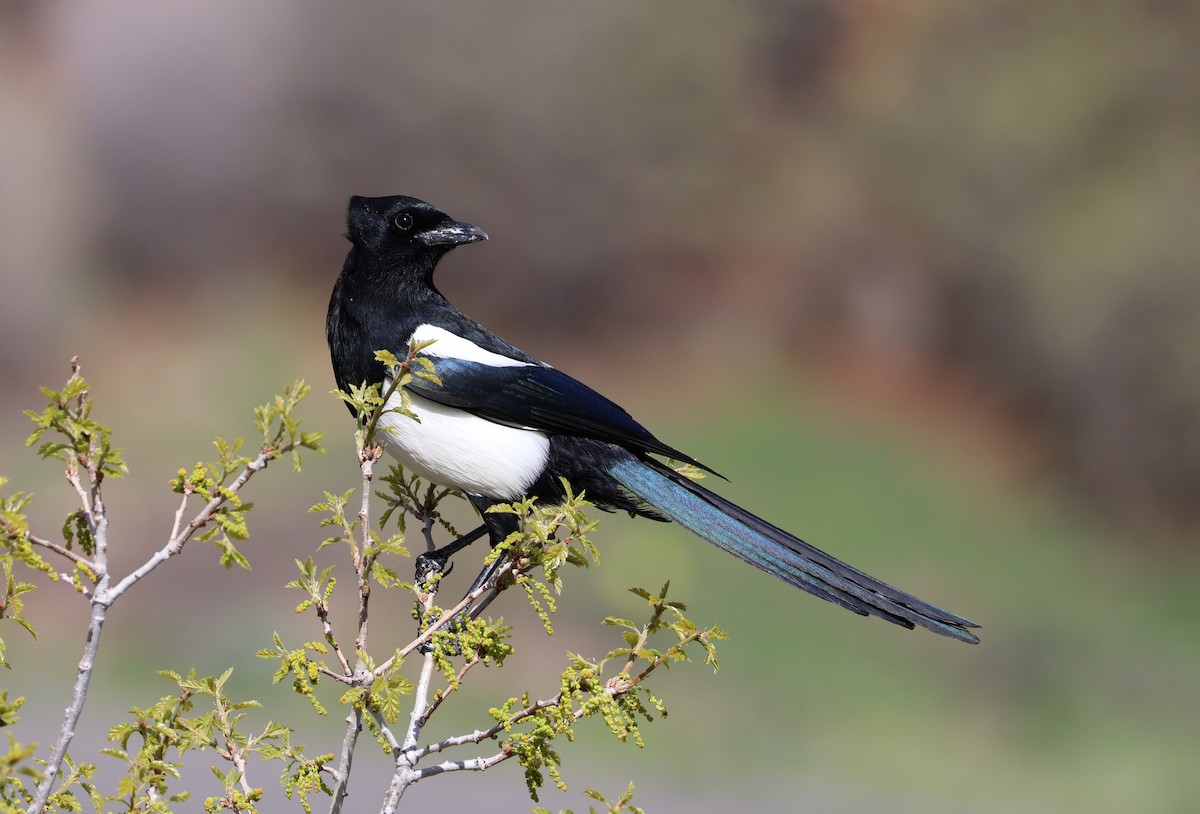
{"x":486,"y":587}
{"x":432,"y":565}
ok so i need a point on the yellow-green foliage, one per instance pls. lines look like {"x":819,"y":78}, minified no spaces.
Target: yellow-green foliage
{"x":451,"y":640}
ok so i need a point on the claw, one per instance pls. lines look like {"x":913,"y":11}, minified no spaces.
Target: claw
{"x":434,"y":562}
{"x":430,"y":565}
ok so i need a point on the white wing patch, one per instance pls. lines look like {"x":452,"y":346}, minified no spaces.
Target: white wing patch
{"x":454,"y":448}
{"x":451,"y":346}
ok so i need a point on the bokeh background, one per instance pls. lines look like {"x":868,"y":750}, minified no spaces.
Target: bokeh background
{"x":922,"y":278}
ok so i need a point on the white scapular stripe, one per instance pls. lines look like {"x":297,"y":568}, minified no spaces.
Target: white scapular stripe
{"x":451,"y":346}
{"x":457,"y":449}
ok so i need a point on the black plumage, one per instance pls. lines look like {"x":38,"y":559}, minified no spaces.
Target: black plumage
{"x":502,"y":425}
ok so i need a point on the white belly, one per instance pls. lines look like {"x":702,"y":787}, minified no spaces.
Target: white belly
{"x":454,"y":448}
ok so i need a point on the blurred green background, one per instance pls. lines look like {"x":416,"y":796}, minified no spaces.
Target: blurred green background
{"x":922,"y":278}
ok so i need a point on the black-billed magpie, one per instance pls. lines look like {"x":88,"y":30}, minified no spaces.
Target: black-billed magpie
{"x":503,"y":425}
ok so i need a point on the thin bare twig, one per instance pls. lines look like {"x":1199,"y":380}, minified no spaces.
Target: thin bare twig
{"x":327,"y":627}
{"x":619,"y":685}
{"x":440,"y":697}
{"x":103,"y":595}
{"x":362,"y":561}
{"x":441,"y":622}
{"x":480,"y":735}
{"x":421,"y":692}
{"x":234,"y":753}
{"x":84,"y":498}
{"x":183,"y":502}
{"x":179,"y":539}
{"x":51,"y":546}
{"x":428,"y":518}
{"x":363,"y":555}
{"x":100,"y":601}
{"x":479,"y":764}
{"x":420,"y":702}
{"x":487,"y":600}
{"x":348,"y":680}
{"x":475,"y":764}
{"x":386,"y":731}
{"x":342,"y":785}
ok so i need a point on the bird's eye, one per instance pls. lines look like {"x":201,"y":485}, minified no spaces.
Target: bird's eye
{"x":403,"y":221}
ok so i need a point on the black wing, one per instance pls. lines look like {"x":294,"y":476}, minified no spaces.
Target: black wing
{"x":539,"y":398}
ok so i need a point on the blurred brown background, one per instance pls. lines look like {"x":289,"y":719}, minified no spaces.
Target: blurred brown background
{"x":951,"y":250}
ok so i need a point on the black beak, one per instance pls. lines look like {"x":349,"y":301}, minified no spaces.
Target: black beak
{"x":454,"y":233}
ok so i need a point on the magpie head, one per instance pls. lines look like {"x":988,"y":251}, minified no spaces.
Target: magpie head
{"x":400,"y":229}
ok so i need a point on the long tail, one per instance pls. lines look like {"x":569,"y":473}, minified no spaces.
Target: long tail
{"x":754,"y":540}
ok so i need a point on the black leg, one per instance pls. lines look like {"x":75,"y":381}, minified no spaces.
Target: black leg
{"x":498,"y":526}
{"x":487,"y":574}
{"x":434,"y":562}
